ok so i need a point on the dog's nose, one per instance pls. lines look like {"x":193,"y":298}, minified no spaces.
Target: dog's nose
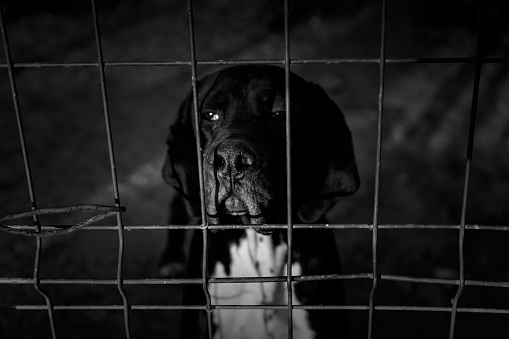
{"x":233,"y":159}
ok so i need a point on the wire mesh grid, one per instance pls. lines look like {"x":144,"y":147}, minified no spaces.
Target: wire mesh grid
{"x":40,"y":232}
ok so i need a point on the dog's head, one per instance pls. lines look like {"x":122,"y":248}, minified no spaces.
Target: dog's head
{"x":242,"y":115}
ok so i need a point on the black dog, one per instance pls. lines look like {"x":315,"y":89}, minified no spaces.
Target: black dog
{"x":242,"y":130}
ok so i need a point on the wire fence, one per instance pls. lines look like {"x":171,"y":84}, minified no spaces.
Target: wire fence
{"x":41,"y":231}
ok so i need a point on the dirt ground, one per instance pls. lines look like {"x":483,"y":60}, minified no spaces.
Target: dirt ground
{"x":426,"y":121}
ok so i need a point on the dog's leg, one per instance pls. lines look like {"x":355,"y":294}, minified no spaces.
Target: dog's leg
{"x":173,"y":260}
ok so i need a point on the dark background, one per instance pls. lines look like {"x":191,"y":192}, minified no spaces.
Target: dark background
{"x":425,"y":130}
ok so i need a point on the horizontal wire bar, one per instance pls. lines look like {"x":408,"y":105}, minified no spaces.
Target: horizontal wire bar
{"x":103,"y":307}
{"x":274,"y":226}
{"x":436,"y":281}
{"x":386,"y":277}
{"x":181,"y":281}
{"x":447,"y":60}
{"x":306,"y":307}
{"x":27,"y":281}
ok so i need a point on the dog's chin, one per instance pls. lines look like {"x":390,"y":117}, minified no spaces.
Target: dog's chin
{"x":236,"y":218}
{"x":225,"y":217}
{"x":239,"y":219}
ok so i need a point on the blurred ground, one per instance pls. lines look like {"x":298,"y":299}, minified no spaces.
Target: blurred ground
{"x":426,"y":118}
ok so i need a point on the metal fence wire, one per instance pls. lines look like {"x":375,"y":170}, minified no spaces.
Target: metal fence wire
{"x":40,"y":232}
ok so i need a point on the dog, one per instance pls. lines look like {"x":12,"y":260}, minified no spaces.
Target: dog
{"x":242,"y":126}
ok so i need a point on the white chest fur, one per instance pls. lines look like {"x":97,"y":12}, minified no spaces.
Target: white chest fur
{"x":256,"y":256}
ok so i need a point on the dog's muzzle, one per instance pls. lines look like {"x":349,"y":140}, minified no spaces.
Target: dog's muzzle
{"x":238,"y":190}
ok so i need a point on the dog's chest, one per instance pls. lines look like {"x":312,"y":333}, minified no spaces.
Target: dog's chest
{"x":256,"y":255}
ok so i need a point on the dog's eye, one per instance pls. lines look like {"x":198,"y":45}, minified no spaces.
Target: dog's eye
{"x":211,"y":116}
{"x":279,"y":116}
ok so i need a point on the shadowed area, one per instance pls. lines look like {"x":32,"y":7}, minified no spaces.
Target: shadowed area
{"x":426,"y":117}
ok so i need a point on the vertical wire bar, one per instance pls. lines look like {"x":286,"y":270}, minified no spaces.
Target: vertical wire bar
{"x":109,"y":135}
{"x":468,"y":165}
{"x":28,"y":173}
{"x":378,"y":170}
{"x":200,"y":167}
{"x":288,"y":169}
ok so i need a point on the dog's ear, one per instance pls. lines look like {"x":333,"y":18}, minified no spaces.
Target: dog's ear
{"x":328,"y":170}
{"x":180,"y":168}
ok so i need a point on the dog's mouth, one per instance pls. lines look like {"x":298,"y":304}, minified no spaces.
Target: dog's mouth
{"x":234,"y":211}
{"x":238,"y":185}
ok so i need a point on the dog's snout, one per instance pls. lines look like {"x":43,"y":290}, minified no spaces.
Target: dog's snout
{"x":233,"y":159}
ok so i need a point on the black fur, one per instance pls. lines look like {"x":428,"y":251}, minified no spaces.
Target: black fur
{"x":244,"y":163}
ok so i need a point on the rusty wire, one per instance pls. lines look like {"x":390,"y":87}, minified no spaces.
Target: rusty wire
{"x":473,"y":227}
{"x":194,"y":84}
{"x":280,"y":307}
{"x":427,"y":60}
{"x":289,"y":214}
{"x":378,"y":167}
{"x":57,"y":230}
{"x":109,"y":137}
{"x":468,"y":165}
{"x":28,"y":174}
{"x":182,"y":281}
